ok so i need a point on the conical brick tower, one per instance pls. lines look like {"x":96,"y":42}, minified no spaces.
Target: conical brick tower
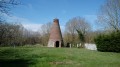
{"x":55,"y":39}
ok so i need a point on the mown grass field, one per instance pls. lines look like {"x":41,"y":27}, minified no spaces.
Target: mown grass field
{"x":56,"y":57}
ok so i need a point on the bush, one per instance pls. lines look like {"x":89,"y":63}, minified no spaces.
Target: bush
{"x":109,"y":42}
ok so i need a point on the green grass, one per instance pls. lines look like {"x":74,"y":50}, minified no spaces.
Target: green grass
{"x":56,"y":57}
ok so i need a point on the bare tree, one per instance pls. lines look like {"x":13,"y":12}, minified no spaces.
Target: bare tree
{"x":5,"y":5}
{"x":45,"y":32}
{"x":110,"y":14}
{"x":46,"y":28}
{"x":82,"y":27}
{"x":14,"y":33}
{"x":70,"y":31}
{"x":79,"y":26}
{"x":10,"y":34}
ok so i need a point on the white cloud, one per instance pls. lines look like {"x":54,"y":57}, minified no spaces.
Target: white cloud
{"x":32,"y":26}
{"x":28,"y":24}
{"x":16,"y":19}
{"x":25,"y":22}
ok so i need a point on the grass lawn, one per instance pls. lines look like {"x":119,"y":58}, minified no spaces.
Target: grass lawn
{"x":56,"y":57}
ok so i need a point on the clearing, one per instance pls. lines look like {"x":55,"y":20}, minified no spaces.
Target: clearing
{"x":56,"y":57}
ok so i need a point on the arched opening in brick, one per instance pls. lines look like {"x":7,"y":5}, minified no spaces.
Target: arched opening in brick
{"x":57,"y":44}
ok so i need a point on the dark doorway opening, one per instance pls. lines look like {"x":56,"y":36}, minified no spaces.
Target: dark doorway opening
{"x":57,"y":44}
{"x":68,"y":45}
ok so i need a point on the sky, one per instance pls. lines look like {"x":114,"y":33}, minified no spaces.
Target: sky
{"x":34,"y":13}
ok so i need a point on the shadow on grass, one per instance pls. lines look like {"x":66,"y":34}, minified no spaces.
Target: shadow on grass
{"x":15,"y":63}
{"x":14,"y":58}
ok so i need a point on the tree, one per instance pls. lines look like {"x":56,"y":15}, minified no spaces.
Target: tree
{"x":79,"y":26}
{"x":82,"y":27}
{"x":5,"y":7}
{"x":81,"y":37}
{"x":45,"y":32}
{"x":16,"y":35}
{"x":108,"y":42}
{"x":10,"y":34}
{"x":70,"y":32}
{"x":110,"y":14}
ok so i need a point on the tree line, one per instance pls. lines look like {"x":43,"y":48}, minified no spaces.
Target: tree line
{"x":14,"y":34}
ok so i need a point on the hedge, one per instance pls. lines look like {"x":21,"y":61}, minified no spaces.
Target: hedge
{"x":109,"y":42}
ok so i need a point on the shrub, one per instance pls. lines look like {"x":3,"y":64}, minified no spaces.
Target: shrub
{"x":109,"y":42}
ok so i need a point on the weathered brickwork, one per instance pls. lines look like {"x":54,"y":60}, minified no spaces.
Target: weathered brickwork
{"x":55,"y":39}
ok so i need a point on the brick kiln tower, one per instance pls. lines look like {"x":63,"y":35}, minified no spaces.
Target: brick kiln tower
{"x":55,"y":39}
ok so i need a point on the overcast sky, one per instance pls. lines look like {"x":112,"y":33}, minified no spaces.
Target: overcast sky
{"x":33,"y":13}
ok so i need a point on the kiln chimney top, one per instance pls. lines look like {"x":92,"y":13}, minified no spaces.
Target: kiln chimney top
{"x":56,"y":20}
